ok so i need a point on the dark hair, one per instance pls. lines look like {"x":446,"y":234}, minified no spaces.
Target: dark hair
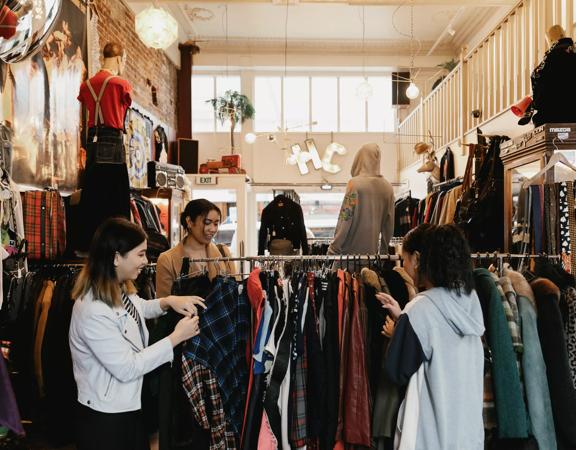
{"x":115,"y":235}
{"x":198,"y":208}
{"x":415,"y":240}
{"x":113,"y":49}
{"x":445,"y":259}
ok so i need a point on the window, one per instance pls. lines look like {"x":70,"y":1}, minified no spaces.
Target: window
{"x":206,"y":87}
{"x":381,"y":115}
{"x":203,"y":118}
{"x":268,"y":103}
{"x":297,"y":102}
{"x":352,"y":107}
{"x":325,"y":103}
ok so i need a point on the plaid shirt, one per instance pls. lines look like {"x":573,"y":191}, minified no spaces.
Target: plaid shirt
{"x":221,"y":345}
{"x":512,"y":314}
{"x":44,"y":224}
{"x":298,"y":390}
{"x":201,"y":387}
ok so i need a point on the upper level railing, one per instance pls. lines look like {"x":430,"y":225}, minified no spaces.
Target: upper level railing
{"x":490,"y":78}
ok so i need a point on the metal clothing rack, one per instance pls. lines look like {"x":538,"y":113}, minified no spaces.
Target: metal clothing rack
{"x":447,"y":182}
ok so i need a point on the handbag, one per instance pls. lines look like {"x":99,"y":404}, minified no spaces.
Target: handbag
{"x":480,"y":212}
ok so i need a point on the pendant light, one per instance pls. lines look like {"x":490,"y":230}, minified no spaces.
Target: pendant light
{"x":156,"y":28}
{"x":412,"y":92}
{"x":364,"y":90}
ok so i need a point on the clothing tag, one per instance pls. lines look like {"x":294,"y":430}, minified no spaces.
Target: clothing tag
{"x":95,"y":138}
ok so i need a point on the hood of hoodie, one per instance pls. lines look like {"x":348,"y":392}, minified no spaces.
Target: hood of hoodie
{"x":462,"y":312}
{"x":367,"y":161}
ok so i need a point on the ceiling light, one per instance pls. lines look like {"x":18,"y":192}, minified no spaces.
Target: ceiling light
{"x":451,"y":31}
{"x":412,"y":92}
{"x":326,"y":187}
{"x":156,"y":28}
{"x":364,"y":90}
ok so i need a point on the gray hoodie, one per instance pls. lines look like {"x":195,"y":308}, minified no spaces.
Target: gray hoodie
{"x":442,"y":409}
{"x":367,"y":213}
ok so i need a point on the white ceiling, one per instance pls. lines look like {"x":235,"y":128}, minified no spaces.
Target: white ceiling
{"x":387,"y":26}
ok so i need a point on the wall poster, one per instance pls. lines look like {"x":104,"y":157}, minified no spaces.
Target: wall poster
{"x":45,"y":113}
{"x":138,"y":137}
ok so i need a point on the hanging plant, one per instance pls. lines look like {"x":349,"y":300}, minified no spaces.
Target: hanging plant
{"x":233,"y":107}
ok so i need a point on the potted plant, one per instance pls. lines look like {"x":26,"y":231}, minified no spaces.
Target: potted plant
{"x":449,"y":66}
{"x":234,"y":107}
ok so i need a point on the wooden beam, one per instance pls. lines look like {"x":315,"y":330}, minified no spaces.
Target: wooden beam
{"x":184,"y":102}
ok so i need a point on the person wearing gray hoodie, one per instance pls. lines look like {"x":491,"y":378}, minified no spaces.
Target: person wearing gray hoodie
{"x":367,"y":212}
{"x":436,"y":349}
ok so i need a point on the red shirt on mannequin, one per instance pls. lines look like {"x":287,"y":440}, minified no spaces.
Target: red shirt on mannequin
{"x":114,"y":103}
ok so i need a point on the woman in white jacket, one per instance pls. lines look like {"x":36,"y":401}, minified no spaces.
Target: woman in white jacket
{"x":108,"y":339}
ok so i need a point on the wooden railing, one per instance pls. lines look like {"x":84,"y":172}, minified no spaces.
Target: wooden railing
{"x":490,"y":78}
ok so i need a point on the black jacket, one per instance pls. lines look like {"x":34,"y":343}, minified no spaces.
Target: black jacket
{"x":282,"y":219}
{"x":553,"y":87}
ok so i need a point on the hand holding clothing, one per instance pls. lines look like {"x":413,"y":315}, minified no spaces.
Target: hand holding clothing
{"x":185,"y":305}
{"x":389,"y":304}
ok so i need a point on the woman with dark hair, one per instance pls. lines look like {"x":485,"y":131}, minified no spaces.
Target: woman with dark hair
{"x":201,"y":219}
{"x":436,"y":348}
{"x":109,"y":339}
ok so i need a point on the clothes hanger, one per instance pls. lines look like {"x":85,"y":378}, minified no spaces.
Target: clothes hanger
{"x":556,"y":158}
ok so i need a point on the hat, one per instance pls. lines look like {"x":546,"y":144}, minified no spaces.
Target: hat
{"x":421,"y":148}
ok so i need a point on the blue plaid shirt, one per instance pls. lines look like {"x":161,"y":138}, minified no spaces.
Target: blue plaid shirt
{"x":221,"y":344}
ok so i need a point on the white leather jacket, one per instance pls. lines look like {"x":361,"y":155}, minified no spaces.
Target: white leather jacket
{"x":109,"y":354}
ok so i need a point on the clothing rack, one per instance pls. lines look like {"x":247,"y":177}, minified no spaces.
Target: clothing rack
{"x":447,"y":182}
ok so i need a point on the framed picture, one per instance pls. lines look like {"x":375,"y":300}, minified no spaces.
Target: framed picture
{"x":138,"y":147}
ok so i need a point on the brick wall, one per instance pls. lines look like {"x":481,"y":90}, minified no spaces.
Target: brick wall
{"x":116,"y":23}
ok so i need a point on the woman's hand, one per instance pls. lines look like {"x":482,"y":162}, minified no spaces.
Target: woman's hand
{"x":390,"y":304}
{"x":388,"y":327}
{"x":186,"y":305}
{"x":186,"y":328}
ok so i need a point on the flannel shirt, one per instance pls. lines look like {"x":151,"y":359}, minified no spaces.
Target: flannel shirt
{"x":201,"y":387}
{"x":44,"y":224}
{"x":221,"y":345}
{"x":512,"y":314}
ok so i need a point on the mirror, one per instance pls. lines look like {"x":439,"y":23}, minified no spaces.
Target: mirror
{"x":517,"y":176}
{"x":24,"y":27}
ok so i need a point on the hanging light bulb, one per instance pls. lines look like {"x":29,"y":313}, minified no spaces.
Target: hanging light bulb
{"x":364,"y":90}
{"x":250,"y":138}
{"x":156,"y":28}
{"x":412,"y":91}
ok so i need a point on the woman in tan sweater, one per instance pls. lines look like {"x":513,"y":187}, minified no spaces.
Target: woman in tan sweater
{"x":201,"y":220}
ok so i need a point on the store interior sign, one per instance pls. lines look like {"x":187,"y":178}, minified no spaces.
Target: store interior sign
{"x":302,"y":158}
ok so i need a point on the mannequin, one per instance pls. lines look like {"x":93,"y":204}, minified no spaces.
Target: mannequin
{"x":553,"y":88}
{"x":105,"y":185}
{"x":367,"y":213}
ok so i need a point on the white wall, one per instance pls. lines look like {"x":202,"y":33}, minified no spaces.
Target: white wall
{"x":265,"y":162}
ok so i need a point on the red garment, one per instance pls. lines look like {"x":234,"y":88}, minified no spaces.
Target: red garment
{"x":115,"y":100}
{"x":44,"y":224}
{"x":256,"y":298}
{"x":356,"y":397}
{"x":8,"y":23}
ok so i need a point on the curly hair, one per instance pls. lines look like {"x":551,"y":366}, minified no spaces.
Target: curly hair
{"x":415,"y":240}
{"x":445,"y":259}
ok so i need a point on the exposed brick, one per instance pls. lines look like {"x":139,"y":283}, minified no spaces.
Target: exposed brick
{"x":116,"y":22}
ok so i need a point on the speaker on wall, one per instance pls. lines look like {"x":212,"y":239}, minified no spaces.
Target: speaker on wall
{"x":186,"y":155}
{"x":399,"y":85}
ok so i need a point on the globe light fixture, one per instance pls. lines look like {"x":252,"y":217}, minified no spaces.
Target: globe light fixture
{"x":364,"y":90}
{"x":250,"y":138}
{"x":412,"y":91}
{"x":156,"y":28}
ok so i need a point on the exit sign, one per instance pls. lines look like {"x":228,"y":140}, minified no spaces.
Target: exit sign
{"x":207,"y":180}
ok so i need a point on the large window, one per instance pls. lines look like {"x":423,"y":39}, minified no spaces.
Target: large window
{"x":206,"y":87}
{"x":323,"y":103}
